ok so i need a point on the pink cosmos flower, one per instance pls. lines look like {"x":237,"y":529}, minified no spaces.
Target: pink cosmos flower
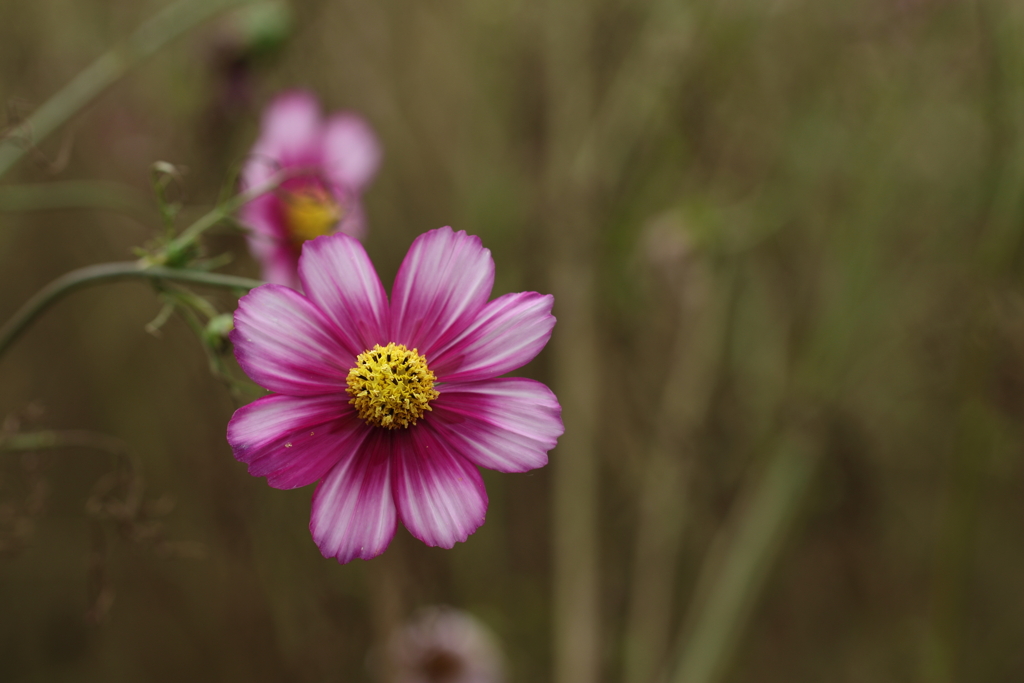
{"x":392,"y":406}
{"x":334,"y":161}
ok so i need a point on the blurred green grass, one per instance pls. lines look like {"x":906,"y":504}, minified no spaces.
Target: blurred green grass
{"x":814,"y":207}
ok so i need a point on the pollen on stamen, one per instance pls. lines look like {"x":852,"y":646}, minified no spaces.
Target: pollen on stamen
{"x":310,"y":212}
{"x":391,"y":386}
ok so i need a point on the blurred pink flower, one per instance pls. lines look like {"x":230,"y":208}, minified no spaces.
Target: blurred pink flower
{"x":341,"y":155}
{"x":445,"y":645}
{"x":391,"y":406}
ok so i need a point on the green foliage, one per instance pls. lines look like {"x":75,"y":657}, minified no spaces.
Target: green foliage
{"x":797,"y":223}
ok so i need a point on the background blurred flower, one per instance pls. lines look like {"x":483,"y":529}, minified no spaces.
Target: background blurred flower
{"x":340,"y":157}
{"x":445,"y":645}
{"x":356,"y":404}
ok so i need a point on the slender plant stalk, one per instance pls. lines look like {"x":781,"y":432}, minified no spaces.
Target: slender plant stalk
{"x":109,"y":272}
{"x":1000,"y":243}
{"x":978,"y":432}
{"x":662,"y":517}
{"x":637,"y":90}
{"x":572,"y":276}
{"x":587,"y":140}
{"x":690,"y":379}
{"x":58,"y":439}
{"x":169,"y":23}
{"x":49,"y":439}
{"x":73,"y":194}
{"x":740,"y":560}
{"x":228,"y":208}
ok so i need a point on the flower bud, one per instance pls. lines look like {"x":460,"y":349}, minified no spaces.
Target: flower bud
{"x":215,"y":336}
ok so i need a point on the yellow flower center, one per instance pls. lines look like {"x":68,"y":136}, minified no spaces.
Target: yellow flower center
{"x":310,"y":212}
{"x":391,"y":386}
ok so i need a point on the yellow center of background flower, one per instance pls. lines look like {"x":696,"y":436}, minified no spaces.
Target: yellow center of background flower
{"x":391,"y":386}
{"x":310,"y":212}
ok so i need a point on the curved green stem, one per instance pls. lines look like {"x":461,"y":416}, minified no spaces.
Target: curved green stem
{"x":229,"y":207}
{"x":166,"y":25}
{"x":73,"y":194}
{"x":109,"y":272}
{"x":23,"y":442}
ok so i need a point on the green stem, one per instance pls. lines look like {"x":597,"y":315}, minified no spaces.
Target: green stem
{"x":690,"y":379}
{"x":574,"y":275}
{"x":227,"y":208}
{"x":65,"y":438}
{"x":739,"y":563}
{"x":109,"y":272}
{"x":73,"y":194}
{"x":166,"y":25}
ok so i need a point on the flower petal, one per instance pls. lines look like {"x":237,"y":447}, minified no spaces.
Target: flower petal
{"x":294,"y":441}
{"x":442,"y":284}
{"x":338,"y":276}
{"x":268,"y":241}
{"x":351,"y":151}
{"x":506,"y":335}
{"x":279,"y":266}
{"x":353,"y":510}
{"x":263,"y":216}
{"x":353,"y":223}
{"x":285,"y":344}
{"x":289,"y":132}
{"x":439,"y":495}
{"x":507,"y":424}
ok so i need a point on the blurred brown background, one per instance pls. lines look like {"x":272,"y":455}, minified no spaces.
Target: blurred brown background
{"x":785,"y":244}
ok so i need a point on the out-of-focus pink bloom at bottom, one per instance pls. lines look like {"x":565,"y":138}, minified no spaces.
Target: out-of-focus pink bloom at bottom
{"x":445,"y":645}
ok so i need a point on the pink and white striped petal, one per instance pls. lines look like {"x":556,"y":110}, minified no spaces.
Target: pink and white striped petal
{"x":444,"y":281}
{"x":353,"y":509}
{"x":285,"y":344}
{"x":295,"y":441}
{"x":351,"y":152}
{"x":439,"y":495}
{"x":507,"y":334}
{"x":508,"y":425}
{"x":339,"y":278}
